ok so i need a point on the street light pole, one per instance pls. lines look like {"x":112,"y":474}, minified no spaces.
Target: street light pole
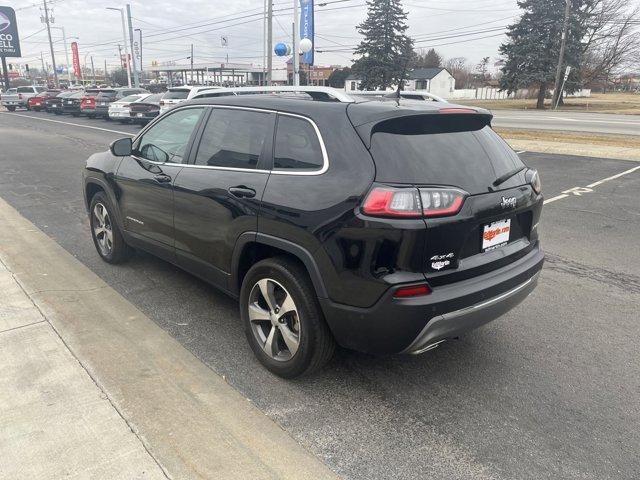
{"x":126,"y":49}
{"x":66,"y":53}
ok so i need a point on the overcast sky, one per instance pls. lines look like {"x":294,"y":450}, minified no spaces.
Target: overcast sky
{"x":456,"y":28}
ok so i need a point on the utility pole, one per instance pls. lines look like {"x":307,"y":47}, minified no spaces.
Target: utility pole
{"x":126,"y":49}
{"x":136,"y":79}
{"x":5,"y":71}
{"x":93,"y":71}
{"x":269,"y":41}
{"x":296,"y":46}
{"x":191,"y":57}
{"x":53,"y":57}
{"x":105,"y":72}
{"x":565,"y":28}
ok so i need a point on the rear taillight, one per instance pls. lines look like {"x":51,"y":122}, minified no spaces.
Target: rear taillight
{"x":534,"y":179}
{"x":413,"y":202}
{"x":393,"y":202}
{"x":441,"y":202}
{"x":412,"y":291}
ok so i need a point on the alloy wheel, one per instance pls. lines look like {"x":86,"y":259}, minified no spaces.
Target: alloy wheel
{"x":102,"y":229}
{"x":274,"y":319}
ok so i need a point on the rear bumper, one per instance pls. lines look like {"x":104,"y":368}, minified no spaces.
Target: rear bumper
{"x":414,"y":325}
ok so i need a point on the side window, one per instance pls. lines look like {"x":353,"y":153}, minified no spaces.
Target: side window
{"x":234,"y":138}
{"x":297,"y":145}
{"x":167,"y":140}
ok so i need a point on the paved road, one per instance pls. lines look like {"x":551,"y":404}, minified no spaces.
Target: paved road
{"x":551,"y":390}
{"x":568,"y":121}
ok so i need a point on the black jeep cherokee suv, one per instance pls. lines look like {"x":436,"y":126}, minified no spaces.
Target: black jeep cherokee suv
{"x":384,"y":226}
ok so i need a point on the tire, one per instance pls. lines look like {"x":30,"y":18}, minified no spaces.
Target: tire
{"x":284,"y":280}
{"x":11,"y":109}
{"x":75,"y":114}
{"x":91,"y":116}
{"x":114,"y":249}
{"x":57,"y":113}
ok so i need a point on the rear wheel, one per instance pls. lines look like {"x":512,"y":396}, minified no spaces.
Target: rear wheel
{"x":106,"y":235}
{"x":11,"y":109}
{"x":283,"y":320}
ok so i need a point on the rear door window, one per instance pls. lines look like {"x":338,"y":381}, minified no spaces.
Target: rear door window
{"x":26,"y":90}
{"x":234,"y":138}
{"x":297,"y":145}
{"x":452,"y":150}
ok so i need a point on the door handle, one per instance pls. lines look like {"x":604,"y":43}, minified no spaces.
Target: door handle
{"x":242,"y":192}
{"x":162,"y":178}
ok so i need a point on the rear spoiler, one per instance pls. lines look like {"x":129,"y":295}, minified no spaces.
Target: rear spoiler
{"x":444,"y":120}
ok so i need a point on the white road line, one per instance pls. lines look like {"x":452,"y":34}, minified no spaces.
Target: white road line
{"x":579,"y":191}
{"x":553,"y":199}
{"x":600,"y":182}
{"x":68,"y":123}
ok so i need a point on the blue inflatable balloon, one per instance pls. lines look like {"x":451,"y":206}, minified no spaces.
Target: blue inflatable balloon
{"x":280,"y":49}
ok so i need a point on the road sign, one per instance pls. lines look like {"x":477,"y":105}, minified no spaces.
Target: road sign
{"x":567,"y":72}
{"x":9,"y":39}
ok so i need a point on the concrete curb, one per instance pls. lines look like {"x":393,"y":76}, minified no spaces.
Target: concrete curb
{"x":584,"y":150}
{"x":190,"y":420}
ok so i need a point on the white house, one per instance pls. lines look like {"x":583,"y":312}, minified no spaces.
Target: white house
{"x":434,"y":80}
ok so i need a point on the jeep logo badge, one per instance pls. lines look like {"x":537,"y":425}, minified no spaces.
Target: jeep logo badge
{"x":508,"y":202}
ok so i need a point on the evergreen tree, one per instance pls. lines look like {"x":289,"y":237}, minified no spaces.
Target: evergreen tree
{"x":386,"y":52}
{"x":531,"y":53}
{"x":431,"y":59}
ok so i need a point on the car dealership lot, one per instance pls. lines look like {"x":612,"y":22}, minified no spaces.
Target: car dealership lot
{"x":549,"y":390}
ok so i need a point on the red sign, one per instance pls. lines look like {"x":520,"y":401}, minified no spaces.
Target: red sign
{"x":123,"y":61}
{"x":76,"y":60}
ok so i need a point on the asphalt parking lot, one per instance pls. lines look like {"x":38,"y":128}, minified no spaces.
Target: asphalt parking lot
{"x":551,"y":390}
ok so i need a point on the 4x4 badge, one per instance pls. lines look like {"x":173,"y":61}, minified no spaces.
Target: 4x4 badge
{"x":508,"y":202}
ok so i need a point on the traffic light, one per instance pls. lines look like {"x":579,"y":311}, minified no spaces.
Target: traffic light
{"x":11,"y":66}
{"x":26,"y":67}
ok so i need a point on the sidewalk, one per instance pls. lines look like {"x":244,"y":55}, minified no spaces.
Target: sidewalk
{"x":55,"y":422}
{"x":92,"y":388}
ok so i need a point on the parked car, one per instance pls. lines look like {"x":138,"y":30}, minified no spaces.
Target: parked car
{"x":89,"y":101}
{"x":145,"y":110}
{"x":108,"y":96}
{"x":20,"y":97}
{"x":121,"y":109}
{"x":176,"y":95}
{"x":71,"y":104}
{"x":54,"y":104}
{"x":385,"y":227}
{"x":38,"y":102}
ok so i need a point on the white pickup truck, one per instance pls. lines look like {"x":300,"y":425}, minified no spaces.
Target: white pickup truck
{"x":17,"y":97}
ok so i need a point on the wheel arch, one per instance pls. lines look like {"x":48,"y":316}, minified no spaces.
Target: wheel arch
{"x":252,"y":247}
{"x":94,"y":185}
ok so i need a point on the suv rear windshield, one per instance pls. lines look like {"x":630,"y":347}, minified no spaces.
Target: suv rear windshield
{"x":176,"y":95}
{"x":453,"y":150}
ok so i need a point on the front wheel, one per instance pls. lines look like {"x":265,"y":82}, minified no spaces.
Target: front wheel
{"x":283,"y":320}
{"x":11,"y":109}
{"x":105,"y":232}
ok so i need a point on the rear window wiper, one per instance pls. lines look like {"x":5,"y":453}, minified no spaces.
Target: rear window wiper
{"x":503,"y":178}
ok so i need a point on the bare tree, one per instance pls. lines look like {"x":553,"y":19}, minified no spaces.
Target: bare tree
{"x":612,"y":42}
{"x":460,"y":70}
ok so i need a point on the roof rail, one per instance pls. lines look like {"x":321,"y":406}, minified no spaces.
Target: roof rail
{"x":317,"y":93}
{"x":391,"y":94}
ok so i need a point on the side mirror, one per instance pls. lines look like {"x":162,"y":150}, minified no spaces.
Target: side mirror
{"x":121,"y":147}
